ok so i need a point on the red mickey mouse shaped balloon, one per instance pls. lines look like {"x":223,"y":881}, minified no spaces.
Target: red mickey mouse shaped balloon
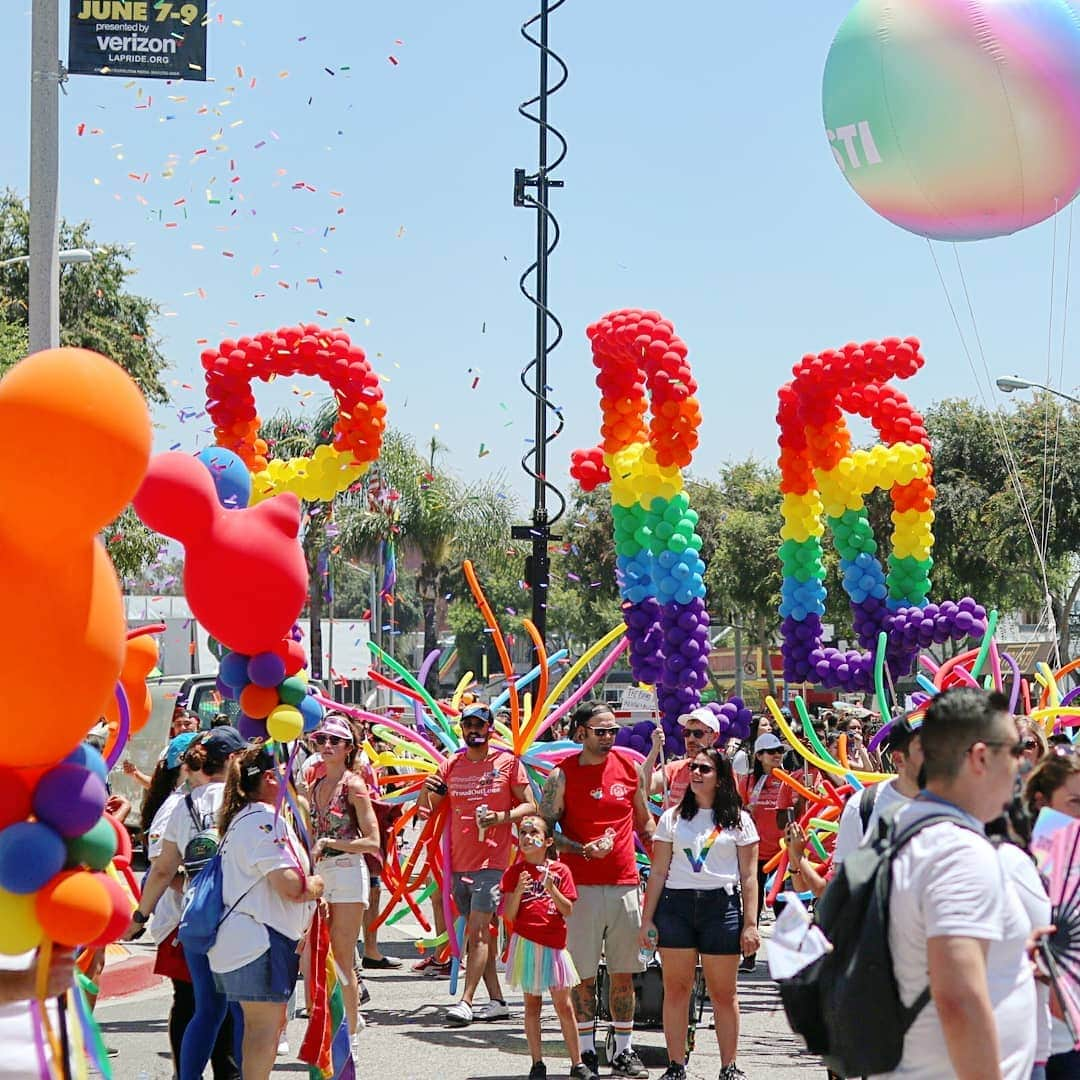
{"x":244,"y":572}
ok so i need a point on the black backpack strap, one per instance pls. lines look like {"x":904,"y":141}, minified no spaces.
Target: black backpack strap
{"x":867,"y":801}
{"x":195,"y":819}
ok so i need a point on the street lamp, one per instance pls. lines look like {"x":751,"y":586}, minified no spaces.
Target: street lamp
{"x":74,"y":255}
{"x":1008,"y":383}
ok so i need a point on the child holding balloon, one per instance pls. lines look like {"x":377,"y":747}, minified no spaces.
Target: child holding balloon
{"x":539,"y":893}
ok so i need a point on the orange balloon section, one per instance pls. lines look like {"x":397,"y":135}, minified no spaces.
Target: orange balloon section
{"x":78,"y":432}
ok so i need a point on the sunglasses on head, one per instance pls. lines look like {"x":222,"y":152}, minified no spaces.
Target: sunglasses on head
{"x":328,"y":740}
{"x":701,"y":767}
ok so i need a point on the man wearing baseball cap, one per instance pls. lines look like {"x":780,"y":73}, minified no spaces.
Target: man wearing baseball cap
{"x":700,"y":729}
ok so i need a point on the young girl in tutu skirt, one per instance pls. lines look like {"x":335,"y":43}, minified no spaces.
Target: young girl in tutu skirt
{"x":539,"y":893}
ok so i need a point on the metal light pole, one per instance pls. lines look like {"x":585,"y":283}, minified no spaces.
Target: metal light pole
{"x":1008,"y":383}
{"x":45,"y":75}
{"x":534,"y":462}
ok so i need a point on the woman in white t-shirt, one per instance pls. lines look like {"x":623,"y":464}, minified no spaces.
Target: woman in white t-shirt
{"x":194,"y":817}
{"x":268,"y":899}
{"x":701,"y":900}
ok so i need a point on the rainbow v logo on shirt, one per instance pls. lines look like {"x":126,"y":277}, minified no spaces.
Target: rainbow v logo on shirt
{"x":697,"y":862}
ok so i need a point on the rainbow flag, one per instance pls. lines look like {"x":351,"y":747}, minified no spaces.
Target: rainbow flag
{"x":326,"y":1048}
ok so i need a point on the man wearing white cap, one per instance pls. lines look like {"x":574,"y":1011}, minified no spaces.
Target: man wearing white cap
{"x":700,"y":729}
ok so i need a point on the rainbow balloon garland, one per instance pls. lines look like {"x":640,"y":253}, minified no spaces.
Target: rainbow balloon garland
{"x":822,"y":477}
{"x":659,"y":564}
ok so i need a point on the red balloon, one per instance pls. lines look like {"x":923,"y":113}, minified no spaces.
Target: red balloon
{"x":16,"y":793}
{"x":244,"y":572}
{"x":122,"y":858}
{"x":119,"y":919}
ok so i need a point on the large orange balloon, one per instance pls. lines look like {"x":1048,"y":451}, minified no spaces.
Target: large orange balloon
{"x":60,"y":614}
{"x":75,"y":434}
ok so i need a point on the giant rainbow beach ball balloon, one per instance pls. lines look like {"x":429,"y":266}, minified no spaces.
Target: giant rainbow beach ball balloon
{"x":957,"y":119}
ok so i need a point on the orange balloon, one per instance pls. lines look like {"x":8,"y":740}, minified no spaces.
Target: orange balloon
{"x":62,"y":612}
{"x":75,"y":432}
{"x":140,"y":659}
{"x":74,"y":908}
{"x":258,"y":701}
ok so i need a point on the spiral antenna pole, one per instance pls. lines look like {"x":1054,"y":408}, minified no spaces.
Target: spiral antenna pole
{"x":531,"y":190}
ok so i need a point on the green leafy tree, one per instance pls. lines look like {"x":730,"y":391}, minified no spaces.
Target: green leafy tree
{"x":990,"y":514}
{"x":96,"y":310}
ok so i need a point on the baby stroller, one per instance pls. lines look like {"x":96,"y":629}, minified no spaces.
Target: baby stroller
{"x":649,"y":1003}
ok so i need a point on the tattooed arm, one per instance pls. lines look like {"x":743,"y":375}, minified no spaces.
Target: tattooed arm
{"x":551,"y":810}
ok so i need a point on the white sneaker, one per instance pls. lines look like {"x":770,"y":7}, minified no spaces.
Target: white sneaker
{"x":460,"y":1014}
{"x":361,"y":1023}
{"x":283,"y":1046}
{"x":493,"y":1010}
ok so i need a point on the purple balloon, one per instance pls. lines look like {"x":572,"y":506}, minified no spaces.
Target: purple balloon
{"x":70,"y":798}
{"x":266,"y":669}
{"x":250,"y":728}
{"x":234,"y":670}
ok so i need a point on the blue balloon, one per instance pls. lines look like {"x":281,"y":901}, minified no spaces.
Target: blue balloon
{"x":31,"y":854}
{"x":234,"y":670}
{"x":312,"y":713}
{"x":231,"y":477}
{"x":89,"y":758}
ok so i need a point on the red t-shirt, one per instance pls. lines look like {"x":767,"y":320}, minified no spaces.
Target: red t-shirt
{"x":763,"y":798}
{"x":599,"y":801}
{"x":480,"y":783}
{"x":678,"y":780}
{"x":538,"y":919}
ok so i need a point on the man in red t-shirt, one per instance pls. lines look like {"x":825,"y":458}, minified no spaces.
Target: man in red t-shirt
{"x":596,"y":799}
{"x":488,"y":791}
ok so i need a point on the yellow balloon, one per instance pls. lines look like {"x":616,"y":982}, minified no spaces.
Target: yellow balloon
{"x":285,"y":723}
{"x":19,"y":929}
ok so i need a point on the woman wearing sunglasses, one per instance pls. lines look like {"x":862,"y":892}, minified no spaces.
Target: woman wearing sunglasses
{"x":344,"y":830}
{"x":701,"y":901}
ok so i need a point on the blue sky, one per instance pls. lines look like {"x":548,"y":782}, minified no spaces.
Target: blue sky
{"x":699,"y":182}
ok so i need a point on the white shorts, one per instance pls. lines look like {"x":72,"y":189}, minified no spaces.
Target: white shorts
{"x":346,"y":878}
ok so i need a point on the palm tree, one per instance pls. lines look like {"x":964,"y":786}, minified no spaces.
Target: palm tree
{"x":439,"y":517}
{"x":289,"y":436}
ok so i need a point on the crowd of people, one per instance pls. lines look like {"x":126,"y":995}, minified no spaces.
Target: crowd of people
{"x":594,"y":886}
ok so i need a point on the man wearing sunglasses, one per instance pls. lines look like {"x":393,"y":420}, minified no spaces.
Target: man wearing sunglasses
{"x":598,"y":802}
{"x":955,"y":920}
{"x":487,"y":791}
{"x":700,"y":729}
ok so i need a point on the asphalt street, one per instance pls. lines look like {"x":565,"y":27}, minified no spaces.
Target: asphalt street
{"x":406,"y":1036}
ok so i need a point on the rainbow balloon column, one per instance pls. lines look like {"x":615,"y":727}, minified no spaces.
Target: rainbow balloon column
{"x":659,"y":562}
{"x":822,"y":475}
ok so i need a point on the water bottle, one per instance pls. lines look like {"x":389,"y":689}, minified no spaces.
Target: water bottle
{"x":646,"y":955}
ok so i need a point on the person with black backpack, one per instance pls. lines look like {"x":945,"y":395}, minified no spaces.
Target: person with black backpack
{"x":928,"y":974}
{"x":189,"y":842}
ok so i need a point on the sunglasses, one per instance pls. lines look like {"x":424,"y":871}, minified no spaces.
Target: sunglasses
{"x":1029,"y":744}
{"x":474,"y":722}
{"x":1016,"y":749}
{"x":694,"y":733}
{"x":328,"y":740}
{"x":605,"y":732}
{"x":697,"y":767}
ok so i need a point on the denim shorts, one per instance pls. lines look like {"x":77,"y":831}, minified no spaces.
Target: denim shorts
{"x":478,"y":890}
{"x":708,"y":920}
{"x":262,"y":979}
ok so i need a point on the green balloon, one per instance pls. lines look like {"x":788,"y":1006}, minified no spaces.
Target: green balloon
{"x":292,"y":691}
{"x":94,"y":848}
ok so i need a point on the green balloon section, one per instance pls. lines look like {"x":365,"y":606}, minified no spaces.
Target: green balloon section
{"x":94,"y":848}
{"x":957,"y":119}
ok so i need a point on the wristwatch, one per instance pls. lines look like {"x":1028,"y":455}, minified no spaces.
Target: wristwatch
{"x":138,"y":917}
